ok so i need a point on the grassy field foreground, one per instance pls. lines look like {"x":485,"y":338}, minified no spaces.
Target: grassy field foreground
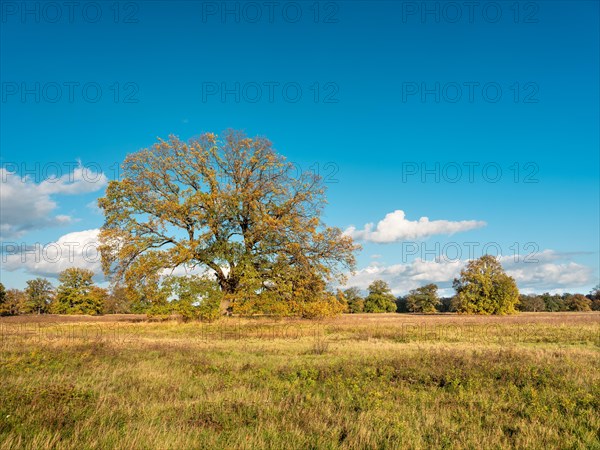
{"x":357,"y":381}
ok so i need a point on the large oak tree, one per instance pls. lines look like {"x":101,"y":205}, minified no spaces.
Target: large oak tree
{"x":229,"y":205}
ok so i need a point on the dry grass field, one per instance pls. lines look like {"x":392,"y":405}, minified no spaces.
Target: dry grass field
{"x":352,"y":382}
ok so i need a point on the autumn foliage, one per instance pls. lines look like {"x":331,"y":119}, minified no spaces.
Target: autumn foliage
{"x":228,"y":207}
{"x":484,"y":288}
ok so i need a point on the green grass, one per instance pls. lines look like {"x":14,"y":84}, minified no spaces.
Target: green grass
{"x":365,"y":381}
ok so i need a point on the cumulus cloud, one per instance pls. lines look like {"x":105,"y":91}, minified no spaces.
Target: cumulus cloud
{"x":395,"y":227}
{"x":548,"y":270}
{"x":26,"y":205}
{"x":552,"y":272}
{"x":404,"y":277}
{"x":534,"y":256}
{"x":78,"y":249}
{"x":567,"y":274}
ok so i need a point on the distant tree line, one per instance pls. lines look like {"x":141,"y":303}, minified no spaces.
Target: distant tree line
{"x":188,"y":297}
{"x":482,"y":288}
{"x":75,"y":294}
{"x":425,"y":300}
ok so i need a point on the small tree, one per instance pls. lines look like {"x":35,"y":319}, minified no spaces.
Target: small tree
{"x":424,"y":299}
{"x":484,"y":288}
{"x":380,"y":298}
{"x":12,"y":302}
{"x":77,"y":294}
{"x":356,"y":304}
{"x":39,"y":293}
{"x":578,"y":302}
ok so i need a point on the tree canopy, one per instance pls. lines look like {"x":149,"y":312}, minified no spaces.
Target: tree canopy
{"x":484,"y":288}
{"x":578,"y":302}
{"x":77,"y":293}
{"x":228,"y":206}
{"x":423,"y":299}
{"x":380,"y":298}
{"x":356,"y":304}
{"x":12,"y":301}
{"x":40,"y":294}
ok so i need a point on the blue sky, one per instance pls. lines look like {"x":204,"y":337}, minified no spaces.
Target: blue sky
{"x":387,"y":102}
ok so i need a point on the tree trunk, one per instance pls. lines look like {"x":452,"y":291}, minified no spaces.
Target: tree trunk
{"x":224,"y":307}
{"x":228,"y":288}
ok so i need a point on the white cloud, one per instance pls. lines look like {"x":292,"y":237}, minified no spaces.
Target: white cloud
{"x":395,"y":227}
{"x":551,"y":273}
{"x":540,"y":257}
{"x":78,"y":249}
{"x":548,"y":270}
{"x":26,"y":205}
{"x":404,"y":277}
{"x":551,"y":276}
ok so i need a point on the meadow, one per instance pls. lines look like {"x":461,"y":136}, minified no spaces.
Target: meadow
{"x":357,"y":381}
